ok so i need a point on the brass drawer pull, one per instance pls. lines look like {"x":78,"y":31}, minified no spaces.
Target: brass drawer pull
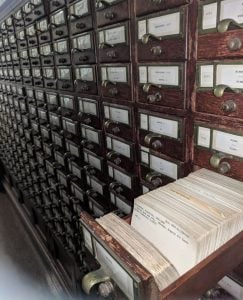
{"x":224,"y":25}
{"x":216,"y":162}
{"x":147,"y":37}
{"x":234,"y":44}
{"x":109,"y":15}
{"x":152,"y":140}
{"x":154,"y":98}
{"x":229,"y":106}
{"x":157,"y":50}
{"x":154,"y":178}
{"x":94,"y":278}
{"x":220,"y":89}
{"x":147,"y":86}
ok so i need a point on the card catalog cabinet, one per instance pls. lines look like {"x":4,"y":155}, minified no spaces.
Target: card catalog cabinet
{"x":101,"y":101}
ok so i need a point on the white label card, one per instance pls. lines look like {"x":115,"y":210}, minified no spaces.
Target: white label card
{"x":232,"y":9}
{"x":115,"y":35}
{"x":228,"y":143}
{"x":83,"y":42}
{"x":96,"y":186}
{"x":209,"y":16}
{"x":121,"y":148}
{"x":93,"y":161}
{"x":164,"y":167}
{"x":206,"y":76}
{"x":117,"y":115}
{"x":204,"y":137}
{"x":230,"y":75}
{"x":122,"y":178}
{"x":85,"y":74}
{"x":88,"y":107}
{"x":164,"y":126}
{"x":164,"y":75}
{"x":117,"y":74}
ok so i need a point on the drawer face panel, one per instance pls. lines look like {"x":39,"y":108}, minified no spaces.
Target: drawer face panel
{"x":56,"y":4}
{"x":61,"y":50}
{"x":219,"y":88}
{"x":86,"y":79}
{"x":116,"y":82}
{"x":114,"y":12}
{"x":93,"y":160}
{"x":118,"y":120}
{"x":83,"y":49}
{"x":80,"y":16}
{"x":162,"y":133}
{"x":114,"y":43}
{"x":44,"y":35}
{"x":92,"y":139}
{"x":162,"y":84}
{"x":219,"y":149}
{"x":89,"y":112}
{"x":144,"y":7}
{"x":162,"y":36}
{"x":215,"y":28}
{"x":70,"y":126}
{"x":73,"y":149}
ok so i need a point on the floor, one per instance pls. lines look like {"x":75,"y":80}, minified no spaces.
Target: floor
{"x":24,"y":275}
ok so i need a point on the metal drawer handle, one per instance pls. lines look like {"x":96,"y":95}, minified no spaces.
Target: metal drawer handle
{"x":111,"y":54}
{"x":105,"y":83}
{"x":229,"y":106}
{"x":154,"y":178}
{"x":152,"y":139}
{"x":157,"y":50}
{"x":224,"y":25}
{"x":234,"y":44}
{"x":148,"y":36}
{"x":154,"y":98}
{"x":116,"y":187}
{"x":113,"y":91}
{"x":216,"y":162}
{"x":110,"y":15}
{"x":105,"y":45}
{"x":94,"y":278}
{"x":147,"y":86}
{"x":112,"y":155}
{"x":220,"y":89}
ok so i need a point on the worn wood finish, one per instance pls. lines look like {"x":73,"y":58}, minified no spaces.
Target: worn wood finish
{"x":86,"y":87}
{"x":113,"y":14}
{"x":220,"y":48}
{"x":81,"y":24}
{"x":149,"y":6}
{"x":84,"y":57}
{"x":120,"y":91}
{"x":115,"y":54}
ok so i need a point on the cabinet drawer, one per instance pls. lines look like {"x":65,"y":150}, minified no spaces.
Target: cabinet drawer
{"x":119,"y":120}
{"x":30,"y":32}
{"x":89,"y":112}
{"x":70,"y":126}
{"x":55,"y":121}
{"x":121,"y":153}
{"x":158,"y":170}
{"x":46,"y":55}
{"x":62,"y":52}
{"x":114,"y":11}
{"x":218,"y":25}
{"x":97,"y":185}
{"x":120,"y":198}
{"x":76,"y":170}
{"x":80,"y":16}
{"x":86,"y":79}
{"x":116,"y":81}
{"x":219,"y":149}
{"x":163,"y":133}
{"x":83,"y":49}
{"x":96,"y":164}
{"x":49,"y":76}
{"x":162,"y":36}
{"x":78,"y":192}
{"x":57,"y":139}
{"x":52,"y":101}
{"x":97,"y":205}
{"x":43,"y":33}
{"x":65,"y":78}
{"x":59,"y":24}
{"x":149,"y":6}
{"x":68,"y":104}
{"x":92,"y":139}
{"x":219,"y":88}
{"x":162,"y":84}
{"x":114,"y":43}
{"x":45,"y":133}
{"x":73,"y":149}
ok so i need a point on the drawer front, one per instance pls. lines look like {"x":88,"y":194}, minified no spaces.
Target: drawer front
{"x":120,"y":153}
{"x":124,"y":205}
{"x":89,"y":112}
{"x":157,"y":170}
{"x":65,"y":80}
{"x":219,"y":149}
{"x":114,"y":12}
{"x":70,"y":126}
{"x":114,"y":43}
{"x":96,"y":162}
{"x":77,"y":192}
{"x":55,"y":121}
{"x":59,"y":24}
{"x":67,"y":103}
{"x":73,"y":149}
{"x":162,"y":36}
{"x":62,"y":52}
{"x":76,"y":170}
{"x":43,"y":33}
{"x":92,"y":139}
{"x":57,"y":139}
{"x":86,"y":80}
{"x":80,"y":16}
{"x":162,"y":85}
{"x":215,"y":28}
{"x":83,"y":49}
{"x":96,"y":185}
{"x":163,"y":133}
{"x":145,"y":7}
{"x":116,"y":82}
{"x":219,"y":88}
{"x":119,"y":120}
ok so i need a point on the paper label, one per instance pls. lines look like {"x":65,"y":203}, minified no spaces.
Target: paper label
{"x":108,"y":142}
{"x":67,"y":102}
{"x":58,"y":18}
{"x":164,"y":167}
{"x":121,"y":148}
{"x":42,"y":25}
{"x":76,"y":171}
{"x":145,"y":189}
{"x":122,"y":178}
{"x":31,"y":30}
{"x":119,"y":115}
{"x":142,"y":28}
{"x":117,"y":74}
{"x":93,"y":161}
{"x":81,"y":8}
{"x":49,"y":73}
{"x":54,"y":120}
{"x":232,"y":287}
{"x":36,"y":72}
{"x":61,"y":47}
{"x":87,"y":240}
{"x":123,"y":206}
{"x":165,"y":25}
{"x":144,"y":157}
{"x":230,"y":75}
{"x":209,"y":16}
{"x":96,"y":186}
{"x":206,"y":76}
{"x":144,"y":121}
{"x":45,"y":50}
{"x":64,"y":74}
{"x":164,"y":126}
{"x":164,"y":75}
{"x":116,"y":272}
{"x":92,"y":135}
{"x":203,"y":137}
{"x":228,"y":143}
{"x":83,"y":42}
{"x":85,"y":74}
{"x":52,"y":99}
{"x":115,"y":35}
{"x":143,"y":74}
{"x":70,"y":127}
{"x":232,"y":9}
{"x":88,"y":107}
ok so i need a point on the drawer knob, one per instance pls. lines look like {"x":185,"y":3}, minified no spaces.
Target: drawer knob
{"x":109,"y":15}
{"x":148,"y":86}
{"x":106,"y":289}
{"x":37,"y":12}
{"x":113,"y":91}
{"x":152,"y":140}
{"x":80,"y":25}
{"x":59,"y":32}
{"x":111,"y":54}
{"x":148,"y":37}
{"x":234,"y":44}
{"x":229,"y":106}
{"x":157,"y":50}
{"x":154,"y":98}
{"x":220,"y":89}
{"x":94,"y":278}
{"x":224,"y":25}
{"x":43,"y":37}
{"x":83,"y":58}
{"x":116,"y":187}
{"x":216,"y":162}
{"x":154,"y":178}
